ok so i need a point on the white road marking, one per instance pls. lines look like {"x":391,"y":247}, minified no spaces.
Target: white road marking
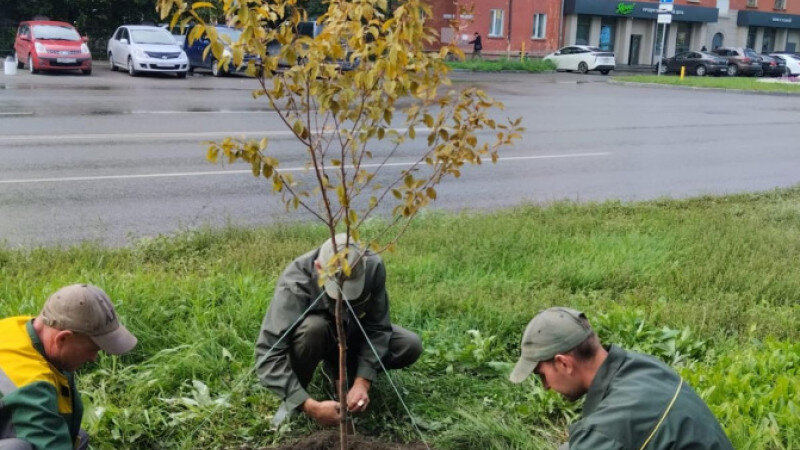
{"x":287,"y":169}
{"x":20,"y":113}
{"x":222,"y":111}
{"x":137,"y":136}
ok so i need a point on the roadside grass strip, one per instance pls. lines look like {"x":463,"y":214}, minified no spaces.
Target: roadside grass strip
{"x":710,"y":285}
{"x":503,"y":64}
{"x":737,"y":83}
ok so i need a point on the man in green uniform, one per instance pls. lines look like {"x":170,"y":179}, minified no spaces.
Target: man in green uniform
{"x":633,"y":401}
{"x":40,"y":408}
{"x":304,"y":312}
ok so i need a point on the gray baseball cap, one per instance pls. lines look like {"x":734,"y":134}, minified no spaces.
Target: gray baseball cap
{"x":552,"y":331}
{"x":353,"y":285}
{"x":86,"y":309}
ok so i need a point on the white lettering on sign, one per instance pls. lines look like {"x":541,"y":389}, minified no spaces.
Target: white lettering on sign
{"x":677,"y":12}
{"x":782,"y":19}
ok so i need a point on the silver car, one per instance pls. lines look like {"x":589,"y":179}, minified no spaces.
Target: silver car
{"x":143,"y":48}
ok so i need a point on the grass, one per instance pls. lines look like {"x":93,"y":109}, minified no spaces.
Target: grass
{"x":710,"y":285}
{"x":503,"y":64}
{"x":738,"y":83}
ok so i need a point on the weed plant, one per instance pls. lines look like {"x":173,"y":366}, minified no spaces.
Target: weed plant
{"x":709,"y":285}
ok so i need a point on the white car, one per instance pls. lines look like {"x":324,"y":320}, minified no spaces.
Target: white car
{"x":143,"y":48}
{"x":792,"y":62}
{"x":583,"y":58}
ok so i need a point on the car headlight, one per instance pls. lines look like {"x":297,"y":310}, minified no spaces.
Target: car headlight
{"x":84,"y":48}
{"x":40,"y":48}
{"x":226,"y":53}
{"x":139,"y":52}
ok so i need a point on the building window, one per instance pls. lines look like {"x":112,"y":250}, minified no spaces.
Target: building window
{"x":496,"y":26}
{"x":683,"y":40}
{"x":539,"y":26}
{"x":751,"y":37}
{"x":780,"y":4}
{"x":752,"y":3}
{"x":768,"y":43}
{"x":608,"y":33}
{"x":583,"y":29}
{"x":717,"y":41}
{"x":723,"y":6}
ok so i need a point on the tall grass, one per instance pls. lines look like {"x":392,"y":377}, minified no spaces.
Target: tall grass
{"x":701,"y":283}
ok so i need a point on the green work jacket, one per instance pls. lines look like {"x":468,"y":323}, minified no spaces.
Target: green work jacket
{"x":38,"y":403}
{"x":296,"y":290}
{"x":637,"y":402}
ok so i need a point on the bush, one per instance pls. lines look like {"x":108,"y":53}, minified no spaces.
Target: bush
{"x":499,"y":65}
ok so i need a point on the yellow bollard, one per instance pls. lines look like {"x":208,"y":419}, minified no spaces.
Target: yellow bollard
{"x":683,"y":71}
{"x":522,"y":53}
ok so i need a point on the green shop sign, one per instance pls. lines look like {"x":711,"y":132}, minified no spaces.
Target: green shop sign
{"x":625,"y":8}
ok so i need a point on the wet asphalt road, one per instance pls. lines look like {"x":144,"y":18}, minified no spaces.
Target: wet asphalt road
{"x":111,"y":158}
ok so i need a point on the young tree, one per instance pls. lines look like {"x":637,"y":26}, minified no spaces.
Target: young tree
{"x":341,"y":98}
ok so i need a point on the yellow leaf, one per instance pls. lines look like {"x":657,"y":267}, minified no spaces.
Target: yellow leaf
{"x":199,"y":5}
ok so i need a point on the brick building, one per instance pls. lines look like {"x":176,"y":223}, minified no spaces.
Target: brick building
{"x":628,"y":28}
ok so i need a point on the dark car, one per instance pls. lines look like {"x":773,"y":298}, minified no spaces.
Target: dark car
{"x":697,"y":63}
{"x":195,"y":50}
{"x":741,"y":61}
{"x":772,"y":66}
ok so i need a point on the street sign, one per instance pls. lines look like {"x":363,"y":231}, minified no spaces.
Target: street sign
{"x":666,"y":7}
{"x":665,"y":18}
{"x":664,"y":1}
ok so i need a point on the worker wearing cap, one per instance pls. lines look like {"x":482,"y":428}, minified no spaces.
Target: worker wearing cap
{"x":286,"y":366}
{"x":633,"y":401}
{"x":40,"y":408}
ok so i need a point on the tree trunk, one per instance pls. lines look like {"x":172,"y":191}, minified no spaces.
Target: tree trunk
{"x":341,"y":386}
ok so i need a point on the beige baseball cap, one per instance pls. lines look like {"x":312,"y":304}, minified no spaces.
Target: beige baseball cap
{"x":86,"y":309}
{"x":353,"y":285}
{"x":552,"y":331}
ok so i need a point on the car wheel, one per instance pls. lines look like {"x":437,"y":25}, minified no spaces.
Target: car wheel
{"x":86,"y":71}
{"x":759,"y":73}
{"x":111,"y":64}
{"x":31,"y":69}
{"x":20,"y":64}
{"x":181,"y":74}
{"x":605,"y":72}
{"x":190,"y":69}
{"x":701,"y":71}
{"x":583,"y":67}
{"x":131,"y":70}
{"x":733,"y":70}
{"x":215,"y":69}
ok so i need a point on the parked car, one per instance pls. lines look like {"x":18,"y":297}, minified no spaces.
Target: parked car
{"x":791,"y":60}
{"x":772,"y":66}
{"x":195,"y":50}
{"x":583,"y":58}
{"x":697,"y":63}
{"x":741,"y":61}
{"x":51,"y":45}
{"x":145,"y":48}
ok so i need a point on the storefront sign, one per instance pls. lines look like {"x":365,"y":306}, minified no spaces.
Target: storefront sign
{"x":625,"y":8}
{"x":765,"y":19}
{"x":639,"y":10}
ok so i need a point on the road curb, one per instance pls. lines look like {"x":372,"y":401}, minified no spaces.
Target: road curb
{"x":675,"y":87}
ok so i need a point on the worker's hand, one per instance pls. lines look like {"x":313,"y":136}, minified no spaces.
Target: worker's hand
{"x":357,"y":398}
{"x":326,"y":413}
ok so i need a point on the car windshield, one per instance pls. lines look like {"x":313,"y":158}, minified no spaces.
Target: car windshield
{"x":750,"y":53}
{"x":158,"y":36}
{"x":594,"y":49}
{"x":710,"y":55}
{"x":55,"y":32}
{"x":231,"y":33}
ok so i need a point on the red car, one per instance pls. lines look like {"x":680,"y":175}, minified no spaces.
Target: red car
{"x":50,"y":45}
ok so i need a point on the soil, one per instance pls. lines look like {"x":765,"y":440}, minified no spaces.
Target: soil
{"x":329,"y":440}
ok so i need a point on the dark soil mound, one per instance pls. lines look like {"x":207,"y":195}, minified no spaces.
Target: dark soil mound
{"x":329,"y":440}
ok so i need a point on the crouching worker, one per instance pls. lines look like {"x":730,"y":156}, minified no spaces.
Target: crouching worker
{"x":286,"y":366}
{"x":40,"y":408}
{"x":632,"y":402}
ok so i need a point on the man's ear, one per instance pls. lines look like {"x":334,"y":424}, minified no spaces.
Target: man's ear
{"x":61,"y":338}
{"x":318,"y":265}
{"x":564,"y":364}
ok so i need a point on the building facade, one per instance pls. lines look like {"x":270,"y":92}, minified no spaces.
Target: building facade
{"x":627,"y":28}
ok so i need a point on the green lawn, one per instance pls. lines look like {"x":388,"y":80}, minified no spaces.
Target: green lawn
{"x":499,"y":65}
{"x":740,"y":83}
{"x":710,"y":285}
